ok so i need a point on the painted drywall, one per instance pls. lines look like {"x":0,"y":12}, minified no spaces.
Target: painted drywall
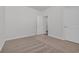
{"x":55,"y":21}
{"x":71,"y":23}
{"x":20,"y":21}
{"x":2,"y":25}
{"x":16,"y":22}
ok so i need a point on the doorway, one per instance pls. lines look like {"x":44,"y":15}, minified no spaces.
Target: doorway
{"x":45,"y":24}
{"x":42,"y":25}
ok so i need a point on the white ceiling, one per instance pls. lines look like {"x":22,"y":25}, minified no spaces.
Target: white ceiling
{"x":40,"y":8}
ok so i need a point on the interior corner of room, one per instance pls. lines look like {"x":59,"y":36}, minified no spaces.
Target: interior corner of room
{"x":61,"y":22}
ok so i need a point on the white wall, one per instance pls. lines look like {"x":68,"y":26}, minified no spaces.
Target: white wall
{"x":2,"y":25}
{"x":20,"y":21}
{"x":71,"y":22}
{"x":17,"y":22}
{"x":55,"y":21}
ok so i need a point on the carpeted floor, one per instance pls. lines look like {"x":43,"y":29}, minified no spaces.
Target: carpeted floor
{"x":39,"y":44}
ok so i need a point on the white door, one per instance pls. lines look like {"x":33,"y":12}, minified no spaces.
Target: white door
{"x":71,"y":24}
{"x":39,"y":25}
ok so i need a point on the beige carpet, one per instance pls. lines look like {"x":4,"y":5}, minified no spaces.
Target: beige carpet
{"x":39,"y":44}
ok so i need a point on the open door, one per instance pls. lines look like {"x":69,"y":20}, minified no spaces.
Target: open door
{"x":39,"y":25}
{"x":42,"y":25}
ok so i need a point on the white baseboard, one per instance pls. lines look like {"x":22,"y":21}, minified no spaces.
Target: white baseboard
{"x":13,"y":39}
{"x":56,"y":36}
{"x":41,"y":33}
{"x":19,"y":37}
{"x":72,"y":41}
{"x":63,"y":38}
{"x":2,"y":45}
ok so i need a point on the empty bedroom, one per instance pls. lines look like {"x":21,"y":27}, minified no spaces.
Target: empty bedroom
{"x":39,"y":29}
